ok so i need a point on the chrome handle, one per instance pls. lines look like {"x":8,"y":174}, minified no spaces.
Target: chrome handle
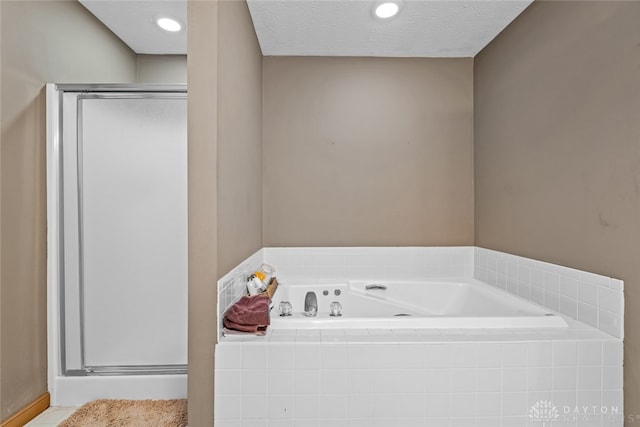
{"x":375,"y":287}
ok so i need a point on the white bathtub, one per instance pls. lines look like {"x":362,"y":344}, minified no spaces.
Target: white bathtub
{"x":442,"y":303}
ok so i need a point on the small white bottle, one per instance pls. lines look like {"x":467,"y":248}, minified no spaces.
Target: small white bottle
{"x":253,"y":287}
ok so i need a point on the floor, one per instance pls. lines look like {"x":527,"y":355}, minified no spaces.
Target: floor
{"x":51,"y":417}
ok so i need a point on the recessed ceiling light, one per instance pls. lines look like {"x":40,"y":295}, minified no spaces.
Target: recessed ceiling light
{"x":386,"y":10}
{"x":169,"y":24}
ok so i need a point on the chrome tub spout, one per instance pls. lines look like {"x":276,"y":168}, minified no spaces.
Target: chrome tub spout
{"x":310,"y":304}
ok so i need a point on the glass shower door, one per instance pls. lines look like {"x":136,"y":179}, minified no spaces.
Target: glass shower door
{"x":125,"y":233}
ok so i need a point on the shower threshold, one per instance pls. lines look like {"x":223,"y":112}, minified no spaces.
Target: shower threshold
{"x":128,"y":370}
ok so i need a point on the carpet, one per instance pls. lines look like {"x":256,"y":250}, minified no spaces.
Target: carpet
{"x":120,"y":413}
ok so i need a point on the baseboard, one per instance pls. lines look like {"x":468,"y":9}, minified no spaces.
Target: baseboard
{"x":29,"y":412}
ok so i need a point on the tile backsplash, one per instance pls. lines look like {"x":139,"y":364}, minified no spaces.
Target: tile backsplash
{"x":317,"y":265}
{"x":234,"y":284}
{"x":595,"y":300}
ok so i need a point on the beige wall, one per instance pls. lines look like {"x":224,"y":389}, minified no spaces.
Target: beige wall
{"x":161,"y":68}
{"x":367,"y":151}
{"x":48,"y":41}
{"x":557,"y":102}
{"x":225,"y":178}
{"x":202,"y":60}
{"x":239,"y":136}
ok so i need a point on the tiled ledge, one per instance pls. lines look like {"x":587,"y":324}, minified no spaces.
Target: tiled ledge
{"x":576,"y":331}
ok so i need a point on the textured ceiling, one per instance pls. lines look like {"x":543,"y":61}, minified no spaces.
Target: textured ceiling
{"x":134,"y":22}
{"x":422,"y":28}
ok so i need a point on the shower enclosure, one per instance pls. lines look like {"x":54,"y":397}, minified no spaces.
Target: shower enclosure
{"x":117,"y":242}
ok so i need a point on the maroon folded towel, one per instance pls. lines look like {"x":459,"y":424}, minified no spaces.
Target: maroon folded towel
{"x":249,"y":314}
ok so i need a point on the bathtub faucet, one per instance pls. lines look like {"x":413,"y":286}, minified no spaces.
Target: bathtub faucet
{"x":310,"y":304}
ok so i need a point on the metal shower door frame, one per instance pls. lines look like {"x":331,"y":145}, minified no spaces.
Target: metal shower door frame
{"x":57,"y":328}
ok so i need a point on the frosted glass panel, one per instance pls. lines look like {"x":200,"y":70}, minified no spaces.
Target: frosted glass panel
{"x":133,"y":199}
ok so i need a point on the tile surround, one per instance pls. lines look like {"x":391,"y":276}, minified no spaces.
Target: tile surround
{"x":318,"y":265}
{"x":411,"y":377}
{"x":595,"y":300}
{"x":233,"y":284}
{"x":417,"y":383}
